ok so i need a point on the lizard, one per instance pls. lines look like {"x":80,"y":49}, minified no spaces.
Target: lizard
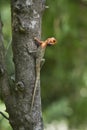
{"x":39,"y":61}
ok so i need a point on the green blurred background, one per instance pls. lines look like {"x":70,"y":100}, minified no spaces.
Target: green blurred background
{"x":64,"y":75}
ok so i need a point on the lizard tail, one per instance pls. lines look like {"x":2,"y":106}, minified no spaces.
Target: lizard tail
{"x":34,"y":91}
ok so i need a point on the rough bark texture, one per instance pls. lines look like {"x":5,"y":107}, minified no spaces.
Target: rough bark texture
{"x":26,"y":24}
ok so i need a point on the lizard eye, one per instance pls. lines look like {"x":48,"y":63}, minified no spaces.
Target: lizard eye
{"x":54,"y":40}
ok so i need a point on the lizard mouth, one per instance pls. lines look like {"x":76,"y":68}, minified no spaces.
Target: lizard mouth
{"x":49,"y":44}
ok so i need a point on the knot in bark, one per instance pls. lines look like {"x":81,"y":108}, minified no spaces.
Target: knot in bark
{"x":20,"y":86}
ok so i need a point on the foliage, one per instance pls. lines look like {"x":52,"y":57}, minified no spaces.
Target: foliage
{"x":4,"y":124}
{"x":62,"y":110}
{"x":64,"y":75}
{"x":64,"y":72}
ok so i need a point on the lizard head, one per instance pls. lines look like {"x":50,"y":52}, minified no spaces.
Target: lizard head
{"x":51,"y":41}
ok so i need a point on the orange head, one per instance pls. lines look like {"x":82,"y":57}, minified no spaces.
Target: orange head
{"x":51,"y":41}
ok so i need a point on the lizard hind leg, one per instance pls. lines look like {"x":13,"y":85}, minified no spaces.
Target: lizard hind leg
{"x":42,"y":62}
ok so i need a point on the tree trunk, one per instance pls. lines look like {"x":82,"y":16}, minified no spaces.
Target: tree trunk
{"x":26,"y":24}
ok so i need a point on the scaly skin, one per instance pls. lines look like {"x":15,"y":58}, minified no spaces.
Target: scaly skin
{"x":39,"y":59}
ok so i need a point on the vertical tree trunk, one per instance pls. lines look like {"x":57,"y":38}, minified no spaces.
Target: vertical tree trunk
{"x":26,"y":24}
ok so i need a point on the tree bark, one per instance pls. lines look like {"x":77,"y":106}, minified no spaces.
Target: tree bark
{"x":26,"y":24}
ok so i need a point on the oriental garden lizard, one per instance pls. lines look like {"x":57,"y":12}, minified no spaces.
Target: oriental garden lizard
{"x":40,"y":60}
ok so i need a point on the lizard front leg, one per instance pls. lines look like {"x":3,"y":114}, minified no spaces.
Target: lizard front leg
{"x":42,"y":62}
